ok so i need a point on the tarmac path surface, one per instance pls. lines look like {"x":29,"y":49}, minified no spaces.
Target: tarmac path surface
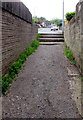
{"x":41,"y":89}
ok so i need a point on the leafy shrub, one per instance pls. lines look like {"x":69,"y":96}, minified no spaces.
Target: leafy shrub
{"x":38,"y":36}
{"x":56,"y":21}
{"x":69,"y":54}
{"x":6,"y":80}
{"x":35,"y":44}
{"x":16,"y":66}
{"x":30,"y":50}
{"x":21,"y":61}
{"x":60,"y":24}
{"x":35,"y":20}
{"x":23,"y":57}
{"x":69,"y":15}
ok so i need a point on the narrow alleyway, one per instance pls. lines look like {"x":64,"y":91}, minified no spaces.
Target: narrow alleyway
{"x":42,"y":89}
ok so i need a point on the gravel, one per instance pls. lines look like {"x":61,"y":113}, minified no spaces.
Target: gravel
{"x":41,"y":89}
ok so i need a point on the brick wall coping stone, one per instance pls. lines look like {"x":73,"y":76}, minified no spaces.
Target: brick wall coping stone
{"x":18,"y":9}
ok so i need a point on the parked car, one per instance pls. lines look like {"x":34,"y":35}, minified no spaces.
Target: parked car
{"x":39,"y":25}
{"x":49,"y":26}
{"x":54,"y":28}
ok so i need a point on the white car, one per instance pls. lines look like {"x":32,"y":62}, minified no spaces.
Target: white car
{"x":54,"y":28}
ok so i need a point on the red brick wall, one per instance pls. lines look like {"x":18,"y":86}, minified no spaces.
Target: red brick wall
{"x":17,"y":35}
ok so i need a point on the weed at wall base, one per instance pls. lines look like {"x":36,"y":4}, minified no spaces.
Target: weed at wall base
{"x":16,"y":66}
{"x":69,"y":55}
{"x":38,"y":35}
{"x":81,"y":78}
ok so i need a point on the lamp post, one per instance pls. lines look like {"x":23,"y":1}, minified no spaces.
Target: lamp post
{"x":63,"y":19}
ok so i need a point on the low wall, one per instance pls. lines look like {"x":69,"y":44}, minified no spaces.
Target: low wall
{"x":17,"y":35}
{"x":74,"y":35}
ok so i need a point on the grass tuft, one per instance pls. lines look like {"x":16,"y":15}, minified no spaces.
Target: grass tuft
{"x":16,"y":66}
{"x":38,"y":35}
{"x":81,"y":78}
{"x":69,"y":55}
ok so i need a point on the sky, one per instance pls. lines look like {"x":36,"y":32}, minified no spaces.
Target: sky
{"x":50,"y":9}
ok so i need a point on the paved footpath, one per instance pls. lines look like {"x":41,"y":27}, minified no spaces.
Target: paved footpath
{"x":41,"y":89}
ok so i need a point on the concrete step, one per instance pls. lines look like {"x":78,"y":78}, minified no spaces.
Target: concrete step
{"x":51,"y":39}
{"x":51,"y":43}
{"x":52,"y":36}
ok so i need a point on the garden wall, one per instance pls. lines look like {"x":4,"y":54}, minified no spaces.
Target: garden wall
{"x":74,"y":35}
{"x":18,"y":32}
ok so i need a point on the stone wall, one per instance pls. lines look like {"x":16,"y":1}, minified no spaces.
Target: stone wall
{"x":81,"y":25}
{"x":17,"y":35}
{"x":74,"y":35}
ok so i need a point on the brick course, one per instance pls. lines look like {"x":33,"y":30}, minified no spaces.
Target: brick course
{"x":17,"y":35}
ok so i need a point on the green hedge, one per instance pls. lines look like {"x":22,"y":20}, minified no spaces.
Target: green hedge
{"x":16,"y":66}
{"x":69,"y":15}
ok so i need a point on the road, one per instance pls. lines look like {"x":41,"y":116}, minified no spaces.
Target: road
{"x":48,"y":30}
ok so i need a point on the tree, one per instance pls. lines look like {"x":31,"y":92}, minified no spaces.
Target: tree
{"x":35,"y":20}
{"x":42,"y":18}
{"x":69,"y":15}
{"x":57,"y":21}
{"x":60,"y":24}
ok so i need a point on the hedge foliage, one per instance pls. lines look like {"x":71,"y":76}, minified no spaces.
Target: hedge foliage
{"x":69,"y":15}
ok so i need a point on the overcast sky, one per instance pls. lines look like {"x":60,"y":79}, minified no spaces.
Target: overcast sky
{"x":50,"y":8}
